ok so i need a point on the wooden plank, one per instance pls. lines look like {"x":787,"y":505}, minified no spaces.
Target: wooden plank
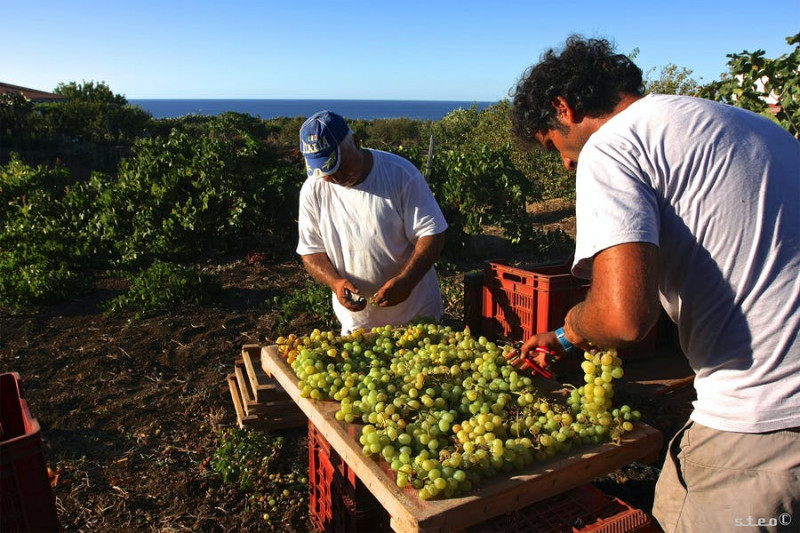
{"x":271,"y":416}
{"x":262,"y":396}
{"x":248,"y":401}
{"x":242,"y":418}
{"x":261,"y":386}
{"x":274,"y":403}
{"x":261,"y":383}
{"x":493,"y":497}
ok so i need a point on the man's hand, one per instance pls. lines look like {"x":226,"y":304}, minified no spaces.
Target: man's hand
{"x":348,"y":295}
{"x":398,"y":289}
{"x":322,"y":270}
{"x":547,"y":339}
{"x":392,"y":292}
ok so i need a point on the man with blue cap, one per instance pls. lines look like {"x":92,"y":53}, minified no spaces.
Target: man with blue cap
{"x":369,"y":229}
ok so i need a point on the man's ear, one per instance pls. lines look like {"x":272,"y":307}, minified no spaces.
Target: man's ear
{"x":564,"y":111}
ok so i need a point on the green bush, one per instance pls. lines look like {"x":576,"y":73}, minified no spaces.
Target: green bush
{"x":481,"y":187}
{"x":456,"y":130}
{"x":242,"y":457}
{"x":28,"y":278}
{"x":93,"y":113}
{"x":285,"y":132}
{"x":314,"y":299}
{"x":470,"y":129}
{"x":163,"y":285}
{"x":187,"y":195}
{"x":262,"y":465}
{"x":20,"y":126}
{"x":219,"y":189}
{"x":753,"y":79}
{"x":384,"y":133}
{"x":41,"y":252}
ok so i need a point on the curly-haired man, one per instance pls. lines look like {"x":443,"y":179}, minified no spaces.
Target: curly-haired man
{"x":691,"y":205}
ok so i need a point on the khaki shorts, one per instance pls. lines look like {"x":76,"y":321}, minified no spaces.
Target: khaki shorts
{"x":718,"y":481}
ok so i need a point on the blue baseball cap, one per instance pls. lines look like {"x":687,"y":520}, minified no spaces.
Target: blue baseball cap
{"x":320,"y":136}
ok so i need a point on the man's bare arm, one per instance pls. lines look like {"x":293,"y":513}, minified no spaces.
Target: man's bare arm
{"x":320,"y":268}
{"x":621,"y":307}
{"x":622,"y":304}
{"x":397,"y":289}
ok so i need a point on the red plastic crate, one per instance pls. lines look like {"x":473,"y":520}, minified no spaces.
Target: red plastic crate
{"x":584,"y":509}
{"x":473,"y":300}
{"x":27,"y":502}
{"x":518,"y":303}
{"x":338,"y":501}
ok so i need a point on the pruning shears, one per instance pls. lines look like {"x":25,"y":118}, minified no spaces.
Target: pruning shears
{"x":352,"y":297}
{"x":516,"y":358}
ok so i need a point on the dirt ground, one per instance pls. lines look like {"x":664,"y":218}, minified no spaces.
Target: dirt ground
{"x":131,"y":410}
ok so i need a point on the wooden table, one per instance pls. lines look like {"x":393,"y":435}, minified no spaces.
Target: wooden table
{"x":495,"y":496}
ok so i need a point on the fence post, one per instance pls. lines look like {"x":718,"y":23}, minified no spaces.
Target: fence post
{"x":429,"y":164}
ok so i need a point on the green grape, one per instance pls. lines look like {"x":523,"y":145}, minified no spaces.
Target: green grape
{"x":442,"y":399}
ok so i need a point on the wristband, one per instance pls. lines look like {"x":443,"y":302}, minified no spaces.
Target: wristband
{"x":565,"y":344}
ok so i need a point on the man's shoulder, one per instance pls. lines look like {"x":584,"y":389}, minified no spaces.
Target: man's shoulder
{"x":390,"y":158}
{"x":655,"y":114}
{"x":394,"y":163}
{"x":309,"y":183}
{"x":677,"y":104}
{"x":314,"y":187}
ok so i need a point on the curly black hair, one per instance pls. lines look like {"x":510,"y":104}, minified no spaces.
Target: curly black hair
{"x":587,"y":73}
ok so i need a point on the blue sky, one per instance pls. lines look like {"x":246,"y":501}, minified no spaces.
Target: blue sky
{"x":409,"y":50}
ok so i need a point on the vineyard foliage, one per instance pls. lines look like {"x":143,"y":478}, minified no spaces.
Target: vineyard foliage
{"x":42,"y":249}
{"x":184,"y":189}
{"x":164,"y":283}
{"x":184,"y":196}
{"x":753,"y":81}
{"x":91,"y":183}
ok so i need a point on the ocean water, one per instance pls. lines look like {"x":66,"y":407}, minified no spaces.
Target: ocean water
{"x":351,"y":109}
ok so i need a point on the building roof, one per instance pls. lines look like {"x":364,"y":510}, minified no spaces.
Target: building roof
{"x":33,"y":95}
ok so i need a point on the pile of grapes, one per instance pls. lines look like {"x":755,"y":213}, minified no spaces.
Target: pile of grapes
{"x":445,"y":409}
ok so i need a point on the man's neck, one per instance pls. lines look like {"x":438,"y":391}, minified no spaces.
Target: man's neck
{"x":367,"y":160}
{"x":625,"y":101}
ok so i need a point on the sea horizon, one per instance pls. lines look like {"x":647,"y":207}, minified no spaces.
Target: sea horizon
{"x":267,"y":108}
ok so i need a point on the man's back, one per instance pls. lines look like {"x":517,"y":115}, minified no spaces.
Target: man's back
{"x":717,"y":188}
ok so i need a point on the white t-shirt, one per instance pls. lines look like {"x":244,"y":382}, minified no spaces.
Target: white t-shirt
{"x":717,"y":189}
{"x":369,"y":231}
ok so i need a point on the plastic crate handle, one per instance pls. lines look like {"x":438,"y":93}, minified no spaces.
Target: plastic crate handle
{"x":512,"y":277}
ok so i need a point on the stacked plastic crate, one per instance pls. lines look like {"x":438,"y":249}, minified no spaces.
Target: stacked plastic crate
{"x":339,"y":502}
{"x":27,"y":502}
{"x":584,"y":509}
{"x":516,"y":302}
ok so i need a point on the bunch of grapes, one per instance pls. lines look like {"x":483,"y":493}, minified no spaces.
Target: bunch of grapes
{"x":593,"y":401}
{"x":445,"y":409}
